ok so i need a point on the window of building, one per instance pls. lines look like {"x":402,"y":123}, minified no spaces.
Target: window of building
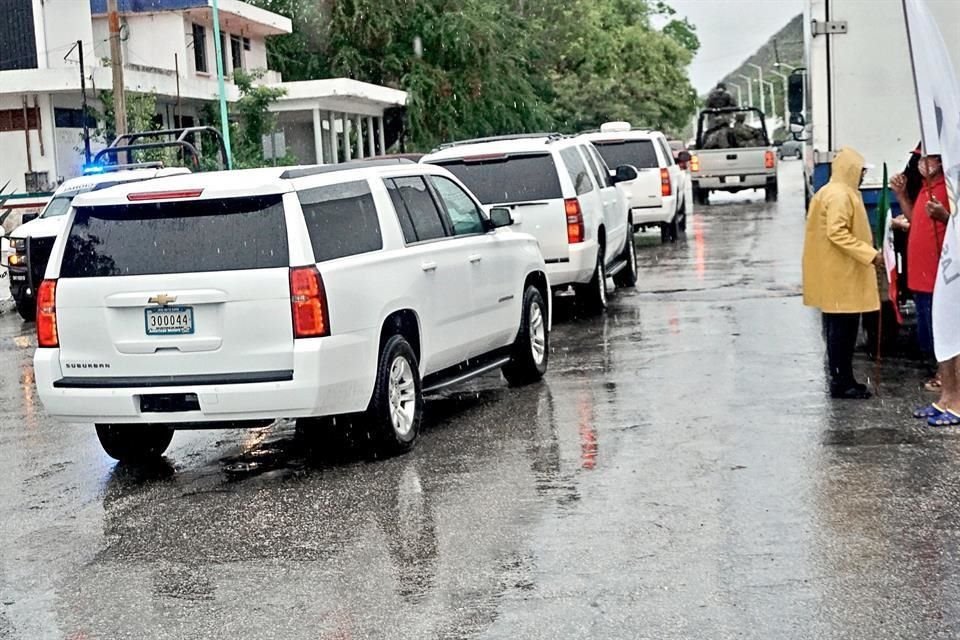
{"x":12,"y":119}
{"x":200,"y":48}
{"x":71,"y":118}
{"x":236,"y":52}
{"x":246,"y":44}
{"x":223,"y":53}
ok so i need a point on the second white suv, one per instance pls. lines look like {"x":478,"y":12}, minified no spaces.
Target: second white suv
{"x":657,"y":195}
{"x":562,"y":192}
{"x":330,"y":291}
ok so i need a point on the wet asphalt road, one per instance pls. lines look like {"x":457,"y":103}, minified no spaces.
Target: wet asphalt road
{"x":680,"y":474}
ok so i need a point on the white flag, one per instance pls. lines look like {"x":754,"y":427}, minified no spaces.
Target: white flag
{"x":938,"y":96}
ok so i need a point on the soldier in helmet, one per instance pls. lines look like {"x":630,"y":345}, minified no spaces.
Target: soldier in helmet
{"x":719,"y":135}
{"x":720,"y":98}
{"x":745,"y":135}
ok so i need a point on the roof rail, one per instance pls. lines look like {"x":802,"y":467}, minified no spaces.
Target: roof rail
{"x":320,"y":169}
{"x":512,"y":136}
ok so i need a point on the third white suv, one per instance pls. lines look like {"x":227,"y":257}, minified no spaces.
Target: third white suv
{"x":562,"y":192}
{"x":328,"y":291}
{"x":657,"y":195}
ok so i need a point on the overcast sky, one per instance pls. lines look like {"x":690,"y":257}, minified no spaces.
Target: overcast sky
{"x":730,"y":31}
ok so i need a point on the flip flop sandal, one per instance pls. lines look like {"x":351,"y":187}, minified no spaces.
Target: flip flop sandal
{"x":948,"y":418}
{"x":929,"y":411}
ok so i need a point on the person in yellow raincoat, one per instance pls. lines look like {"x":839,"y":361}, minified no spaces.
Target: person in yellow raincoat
{"x":840,"y":268}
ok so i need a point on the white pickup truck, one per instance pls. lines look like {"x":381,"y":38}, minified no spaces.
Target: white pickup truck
{"x":733,"y":156}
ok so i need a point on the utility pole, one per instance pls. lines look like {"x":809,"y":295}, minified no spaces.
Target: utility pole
{"x":116,"y":62}
{"x":83,"y":106}
{"x":786,"y":102}
{"x":749,"y":88}
{"x":218,"y":49}
{"x":763,"y":105}
{"x":739,"y":93}
{"x":83,"y":101}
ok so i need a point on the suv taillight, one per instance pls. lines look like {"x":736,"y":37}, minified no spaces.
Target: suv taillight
{"x":694,"y":163}
{"x":665,"y":187}
{"x":769,"y":160}
{"x":47,"y":335}
{"x":308,"y":303}
{"x":575,"y":228}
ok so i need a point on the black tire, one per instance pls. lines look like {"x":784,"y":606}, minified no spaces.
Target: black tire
{"x":531,"y":349}
{"x":701,"y":196}
{"x":771,"y":192}
{"x":593,"y":295}
{"x":395,"y":433}
{"x":134,"y":442}
{"x":27,"y":308}
{"x":670,"y":231}
{"x":627,"y":277}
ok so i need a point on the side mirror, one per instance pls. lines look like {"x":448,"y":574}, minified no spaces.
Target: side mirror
{"x":29,"y":217}
{"x":500,"y":217}
{"x":795,"y":98}
{"x":797,"y":124}
{"x":625,"y":173}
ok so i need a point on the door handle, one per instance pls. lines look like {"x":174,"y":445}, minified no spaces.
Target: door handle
{"x":429,"y":266}
{"x":475,"y":258}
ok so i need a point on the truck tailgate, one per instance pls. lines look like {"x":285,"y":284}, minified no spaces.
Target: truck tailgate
{"x":731,"y":162}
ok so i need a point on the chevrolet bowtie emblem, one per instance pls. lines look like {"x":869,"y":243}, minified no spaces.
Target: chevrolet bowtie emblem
{"x":162,"y":299}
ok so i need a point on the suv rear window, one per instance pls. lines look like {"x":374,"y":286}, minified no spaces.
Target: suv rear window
{"x":176,"y":237}
{"x":341,"y":220}
{"x":639,"y":153}
{"x":513,"y":178}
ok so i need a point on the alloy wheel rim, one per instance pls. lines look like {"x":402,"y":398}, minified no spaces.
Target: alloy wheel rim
{"x":602,"y":281}
{"x":403,"y":396}
{"x":538,"y":334}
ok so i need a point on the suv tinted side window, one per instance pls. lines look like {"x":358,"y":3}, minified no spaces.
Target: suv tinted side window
{"x":464,"y":214}
{"x":341,"y":220}
{"x":667,"y":153}
{"x":601,"y":176}
{"x":577,"y":170}
{"x":419,"y":216}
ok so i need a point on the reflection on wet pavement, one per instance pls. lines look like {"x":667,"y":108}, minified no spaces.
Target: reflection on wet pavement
{"x":680,"y":474}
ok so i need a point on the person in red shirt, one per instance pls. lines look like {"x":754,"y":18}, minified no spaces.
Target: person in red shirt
{"x":927,"y":222}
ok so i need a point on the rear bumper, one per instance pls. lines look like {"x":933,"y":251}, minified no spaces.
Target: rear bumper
{"x":655,"y":215}
{"x":331,"y":376}
{"x":728,"y":183}
{"x":577,"y":268}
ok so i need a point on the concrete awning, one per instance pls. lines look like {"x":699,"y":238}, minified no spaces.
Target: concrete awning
{"x":338,"y":94}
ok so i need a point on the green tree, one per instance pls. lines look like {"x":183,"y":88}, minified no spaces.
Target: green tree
{"x":253,"y":120}
{"x":489,"y":67}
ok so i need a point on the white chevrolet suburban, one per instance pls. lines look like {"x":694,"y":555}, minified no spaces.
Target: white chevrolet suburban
{"x":656,"y":196}
{"x":560,"y":191}
{"x":222,"y":298}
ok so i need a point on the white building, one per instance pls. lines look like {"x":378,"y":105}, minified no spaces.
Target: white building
{"x":168,"y":50}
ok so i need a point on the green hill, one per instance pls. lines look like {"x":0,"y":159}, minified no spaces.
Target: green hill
{"x":785,"y":46}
